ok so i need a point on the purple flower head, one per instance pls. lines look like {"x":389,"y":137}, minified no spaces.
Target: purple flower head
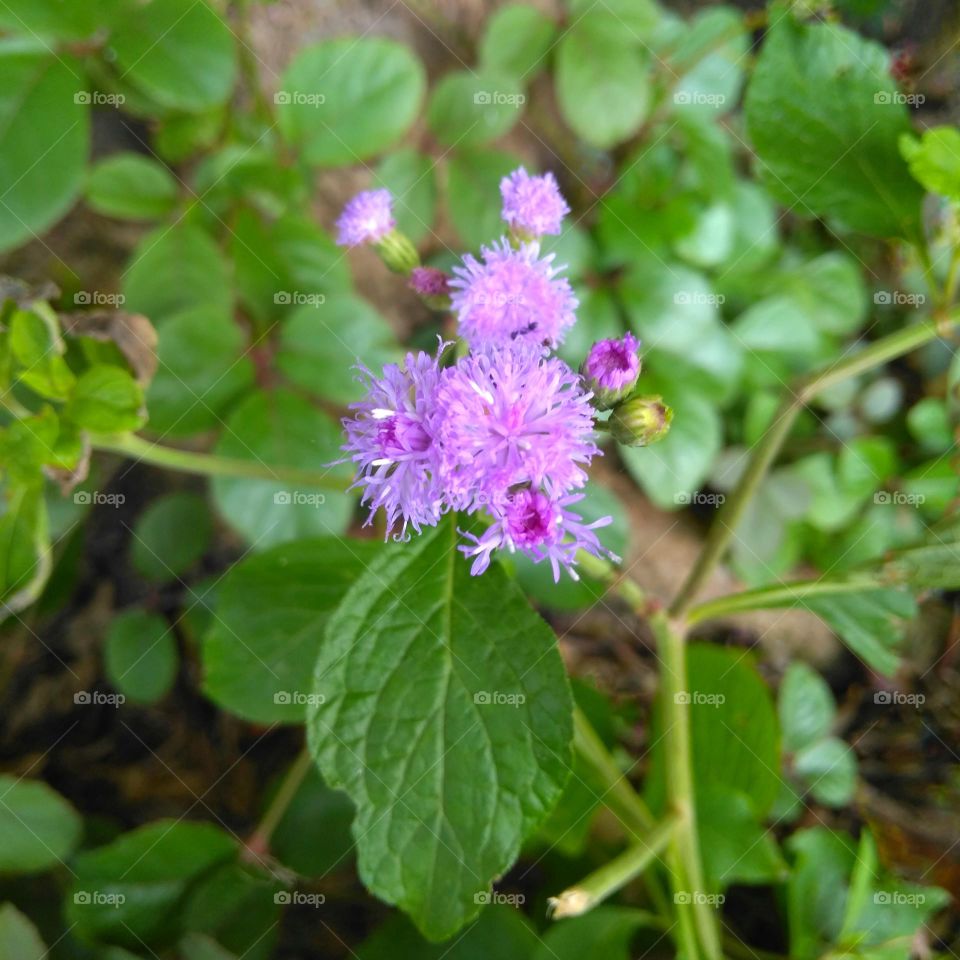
{"x":530,"y":521}
{"x":367,"y":218}
{"x":390,"y":438}
{"x":532,"y":205}
{"x":512,"y":295}
{"x":429,"y":282}
{"x":509,"y":417}
{"x":612,"y":369}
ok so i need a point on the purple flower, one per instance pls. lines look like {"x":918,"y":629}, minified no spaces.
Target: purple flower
{"x":509,"y":417}
{"x":512,"y":295}
{"x":390,"y":438}
{"x":540,"y":527}
{"x":367,"y":218}
{"x":532,"y":206}
{"x":612,"y":369}
{"x":429,"y":282}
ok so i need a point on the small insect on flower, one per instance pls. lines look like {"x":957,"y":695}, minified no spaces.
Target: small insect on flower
{"x":611,"y":370}
{"x":367,"y":218}
{"x":532,"y":206}
{"x":390,"y":438}
{"x":542,"y":528}
{"x":512,"y":295}
{"x":509,"y":416}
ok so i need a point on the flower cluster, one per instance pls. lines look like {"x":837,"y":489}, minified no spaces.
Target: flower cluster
{"x":497,"y":427}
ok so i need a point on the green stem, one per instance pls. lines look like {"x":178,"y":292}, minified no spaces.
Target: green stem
{"x":765,"y":452}
{"x":259,"y":842}
{"x":787,"y":593}
{"x":689,"y":886}
{"x":612,"y":876}
{"x":211,"y":464}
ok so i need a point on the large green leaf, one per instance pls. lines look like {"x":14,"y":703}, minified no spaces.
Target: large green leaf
{"x":61,"y":19}
{"x":272,"y":610}
{"x":44,"y":138}
{"x":516,"y":41}
{"x":446,"y":709}
{"x":140,"y":655}
{"x":468,"y":108}
{"x":344,"y":100}
{"x":131,"y":186}
{"x":824,"y":116}
{"x":282,"y":429}
{"x":39,"y":828}
{"x":179,"y":53}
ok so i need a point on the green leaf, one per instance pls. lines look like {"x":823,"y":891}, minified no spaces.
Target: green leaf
{"x":131,"y":186}
{"x":133,"y":890}
{"x":828,"y":769}
{"x":868,"y":622}
{"x":500,"y":931}
{"x":473,"y":177}
{"x":174,"y":269}
{"x":344,"y":100}
{"x":58,"y":18}
{"x":38,"y":348}
{"x":40,"y":829}
{"x":201,"y":368}
{"x":19,"y":938}
{"x":934,"y":160}
{"x":410,"y":178}
{"x":140,"y":656}
{"x":824,"y":117}
{"x":283,"y":429}
{"x":321,"y":345}
{"x":451,"y":689}
{"x":272,"y":610}
{"x":603,"y":932}
{"x":805,"y":706}
{"x":933,"y":563}
{"x":736,"y":847}
{"x":469,"y":108}
{"x":106,"y":399}
{"x":25,"y":551}
{"x":179,"y":53}
{"x":602,"y":83}
{"x":313,"y":836}
{"x":516,"y":41}
{"x":171,"y":535}
{"x":44,"y":138}
{"x":635,"y":20}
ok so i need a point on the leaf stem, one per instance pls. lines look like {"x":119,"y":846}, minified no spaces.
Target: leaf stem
{"x":259,"y":841}
{"x":765,"y":452}
{"x":612,"y":876}
{"x":211,"y":464}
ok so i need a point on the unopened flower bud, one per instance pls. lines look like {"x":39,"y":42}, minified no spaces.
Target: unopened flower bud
{"x":431,"y":284}
{"x":611,"y":370}
{"x":640,"y":421}
{"x":397,"y":252}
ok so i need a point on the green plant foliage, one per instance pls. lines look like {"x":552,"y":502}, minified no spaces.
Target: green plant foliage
{"x":140,"y":656}
{"x":40,"y":828}
{"x":509,"y":716}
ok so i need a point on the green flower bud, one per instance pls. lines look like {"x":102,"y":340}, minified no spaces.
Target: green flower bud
{"x":397,"y":252}
{"x":640,"y":421}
